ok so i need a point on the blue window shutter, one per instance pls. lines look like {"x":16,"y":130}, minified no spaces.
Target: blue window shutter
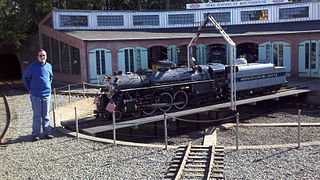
{"x":108,"y":62}
{"x":121,"y":63}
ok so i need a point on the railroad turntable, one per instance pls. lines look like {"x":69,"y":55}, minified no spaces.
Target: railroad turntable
{"x":145,"y":130}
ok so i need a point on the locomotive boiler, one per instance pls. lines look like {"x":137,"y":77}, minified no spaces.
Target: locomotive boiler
{"x":149,"y":91}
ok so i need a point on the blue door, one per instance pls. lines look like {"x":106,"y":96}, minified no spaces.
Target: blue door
{"x":100,"y":64}
{"x":264,"y":52}
{"x":201,"y":54}
{"x":309,"y":59}
{"x":172,"y":52}
{"x":132,"y":59}
{"x":277,"y":53}
{"x":281,"y":55}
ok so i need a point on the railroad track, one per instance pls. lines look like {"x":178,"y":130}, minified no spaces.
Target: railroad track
{"x":5,"y":113}
{"x":197,"y":162}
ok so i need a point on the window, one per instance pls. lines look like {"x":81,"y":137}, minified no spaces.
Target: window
{"x":220,"y":16}
{"x":307,"y":53}
{"x":64,"y":58}
{"x":55,"y":55}
{"x":110,"y":20}
{"x":75,"y":60}
{"x":310,"y":55}
{"x":129,"y":60}
{"x":146,"y":20}
{"x":181,"y":19}
{"x":101,"y":62}
{"x":258,"y":15}
{"x":313,"y":56}
{"x":278,"y":54}
{"x":73,"y":20}
{"x":65,"y":61}
{"x":298,"y":12}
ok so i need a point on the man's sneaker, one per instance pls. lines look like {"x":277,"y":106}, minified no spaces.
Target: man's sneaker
{"x":35,"y":138}
{"x":49,"y":136}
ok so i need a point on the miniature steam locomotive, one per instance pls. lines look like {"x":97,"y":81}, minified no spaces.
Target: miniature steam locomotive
{"x":149,"y":91}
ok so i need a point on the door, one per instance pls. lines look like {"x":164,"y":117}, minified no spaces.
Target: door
{"x":277,"y":53}
{"x":100,"y":64}
{"x":264,"y":52}
{"x":132,"y":59}
{"x":201,"y":54}
{"x":172,"y":52}
{"x":309,"y":59}
{"x":281,"y":55}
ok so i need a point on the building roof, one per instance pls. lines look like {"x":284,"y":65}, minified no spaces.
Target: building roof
{"x":124,"y":35}
{"x":234,"y":30}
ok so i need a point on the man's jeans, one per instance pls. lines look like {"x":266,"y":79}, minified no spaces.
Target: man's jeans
{"x":40,"y":107}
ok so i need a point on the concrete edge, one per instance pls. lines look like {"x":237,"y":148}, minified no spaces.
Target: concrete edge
{"x":273,"y":146}
{"x":232,"y":125}
{"x":110,"y":141}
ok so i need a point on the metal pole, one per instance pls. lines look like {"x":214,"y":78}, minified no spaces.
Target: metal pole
{"x":165,"y":131}
{"x":77,"y":122}
{"x":84,"y":90}
{"x":237,"y":131}
{"x":55,"y":97}
{"x":69,"y":91}
{"x":98,"y":80}
{"x":299,"y":127}
{"x":233,"y":77}
{"x":54,"y":114}
{"x":114,"y":126}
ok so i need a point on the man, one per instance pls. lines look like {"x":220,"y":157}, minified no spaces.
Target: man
{"x":37,"y":79}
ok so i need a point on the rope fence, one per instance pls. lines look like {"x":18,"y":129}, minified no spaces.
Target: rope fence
{"x":82,"y":109}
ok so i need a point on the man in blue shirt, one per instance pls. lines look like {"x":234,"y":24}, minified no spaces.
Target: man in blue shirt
{"x":37,"y":79}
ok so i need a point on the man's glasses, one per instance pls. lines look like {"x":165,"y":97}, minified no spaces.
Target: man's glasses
{"x":42,"y":55}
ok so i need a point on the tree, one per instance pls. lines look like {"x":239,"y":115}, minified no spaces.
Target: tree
{"x":20,"y":18}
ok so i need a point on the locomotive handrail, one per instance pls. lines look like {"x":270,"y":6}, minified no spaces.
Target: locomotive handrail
{"x":168,"y":85}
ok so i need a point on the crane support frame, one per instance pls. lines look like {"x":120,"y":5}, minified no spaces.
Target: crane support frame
{"x":232,"y":55}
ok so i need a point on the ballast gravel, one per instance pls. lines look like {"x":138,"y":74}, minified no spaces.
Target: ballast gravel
{"x":273,"y":163}
{"x":68,"y":158}
{"x":280,"y":163}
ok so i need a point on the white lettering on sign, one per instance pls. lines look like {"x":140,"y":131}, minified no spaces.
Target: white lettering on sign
{"x":233,"y":4}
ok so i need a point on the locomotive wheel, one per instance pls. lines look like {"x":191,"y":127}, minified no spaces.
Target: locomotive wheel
{"x":165,"y":102}
{"x":118,"y":115}
{"x":180,"y":99}
{"x":150,"y":110}
{"x":137,"y":113}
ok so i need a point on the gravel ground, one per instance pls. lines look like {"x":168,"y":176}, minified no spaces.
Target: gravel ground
{"x":289,"y":114}
{"x":67,"y":158}
{"x":279,"y":163}
{"x":282,"y":163}
{"x":267,"y":135}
